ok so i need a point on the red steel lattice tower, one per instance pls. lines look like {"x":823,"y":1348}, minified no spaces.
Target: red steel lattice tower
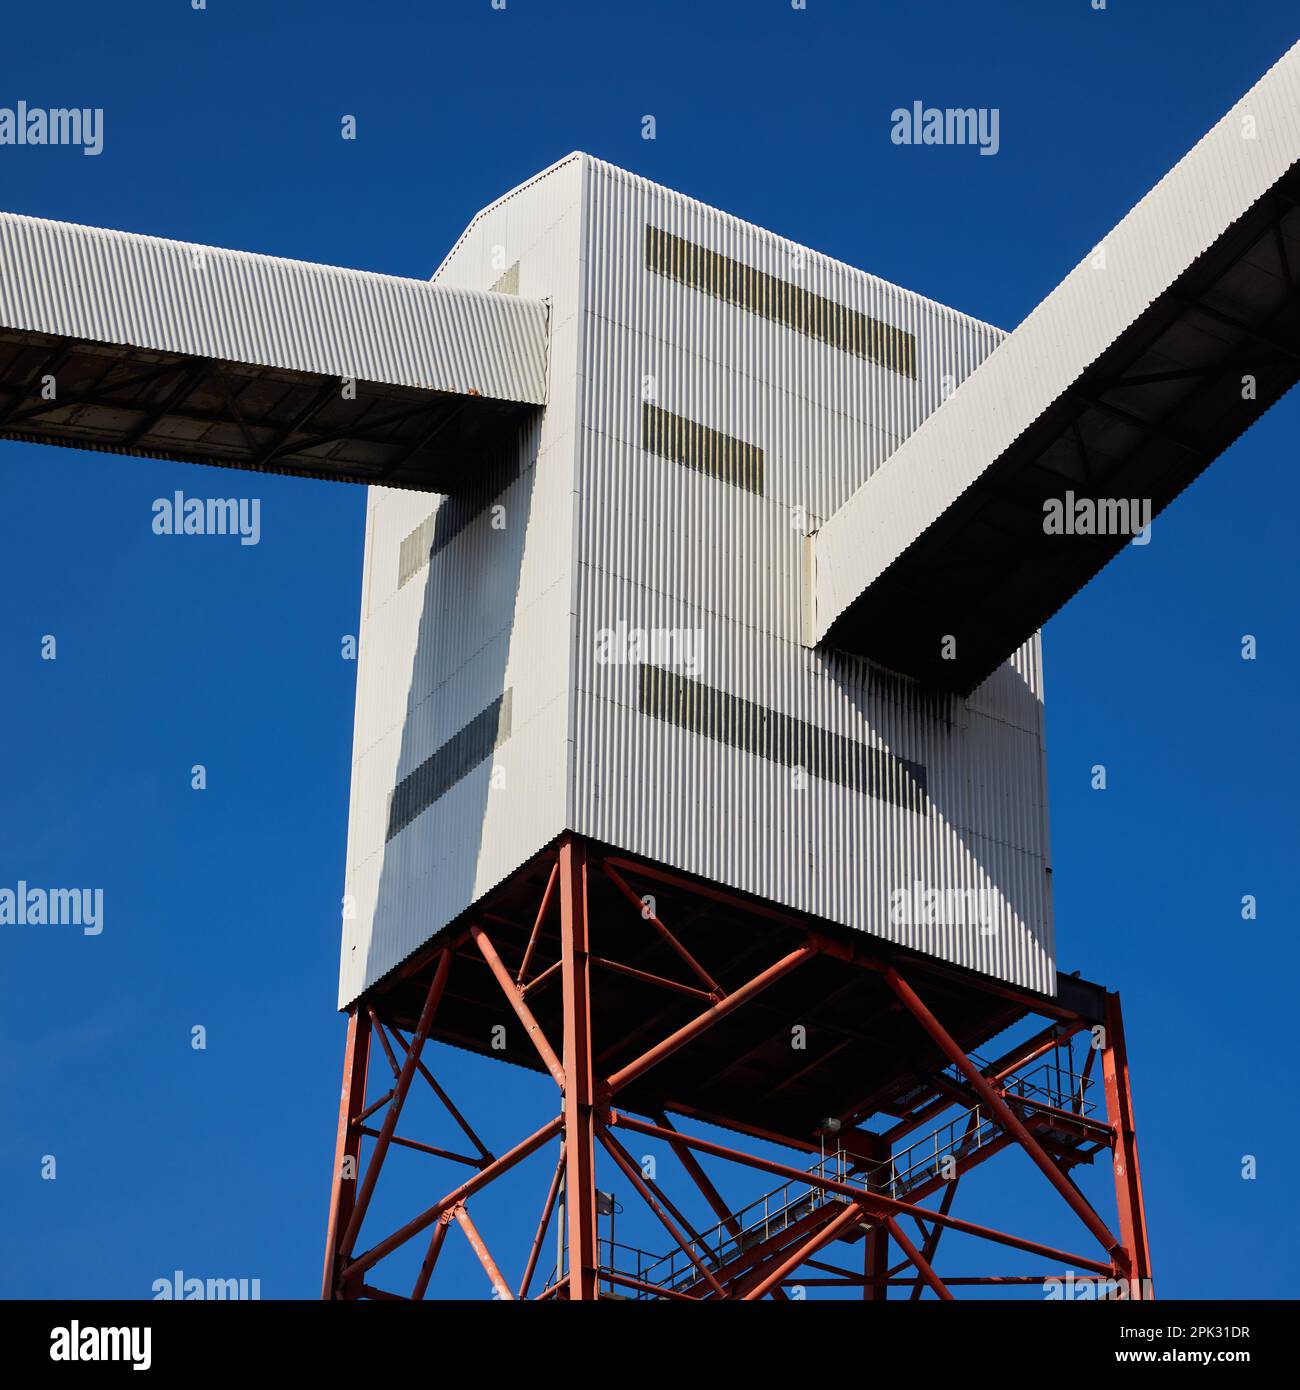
{"x":691,"y":1023}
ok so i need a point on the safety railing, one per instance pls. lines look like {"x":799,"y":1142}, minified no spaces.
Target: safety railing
{"x":1053,"y":1083}
{"x":763,"y":1219}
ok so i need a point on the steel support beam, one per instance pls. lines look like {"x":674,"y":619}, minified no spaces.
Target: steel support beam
{"x":400,"y":1091}
{"x":480,"y":1180}
{"x":710,"y":984}
{"x":548,"y":1207}
{"x":431,"y":1255}
{"x":875,"y":1203}
{"x":499,"y":1285}
{"x":875,"y":1245}
{"x":347,"y":1147}
{"x":578,"y":1081}
{"x":729,"y":1004}
{"x":547,"y":893}
{"x":654,"y":1200}
{"x":1006,"y":1117}
{"x":918,"y":1259}
{"x":1128,"y":1180}
{"x":515,"y":997}
{"x":740,"y":1259}
{"x":485,"y":1154}
{"x":833,"y":1230}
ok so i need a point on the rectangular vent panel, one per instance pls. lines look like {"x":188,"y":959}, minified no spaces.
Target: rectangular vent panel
{"x":458,"y":757}
{"x":766,"y":733}
{"x":789,"y":305}
{"x":707,"y":451}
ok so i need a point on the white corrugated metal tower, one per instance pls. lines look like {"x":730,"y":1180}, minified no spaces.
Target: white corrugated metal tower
{"x":685,"y":538}
{"x":699,"y":557}
{"x":715,"y":393}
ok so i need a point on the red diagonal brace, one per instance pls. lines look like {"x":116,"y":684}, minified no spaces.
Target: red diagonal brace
{"x":484,"y":1153}
{"x":1006,"y":1117}
{"x":624,"y":1160}
{"x":714,"y":988}
{"x":741,"y":1271}
{"x":850,"y":1216}
{"x":548,"y":1207}
{"x":876,"y":1203}
{"x":431,"y":1255}
{"x":483,"y":1253}
{"x":537,"y":924}
{"x":516,"y":1000}
{"x":918,"y":1259}
{"x":710,"y":1016}
{"x":932,"y":1239}
{"x":480,"y":1180}
{"x":383,"y":1041}
{"x":436,"y":987}
{"x":701,"y":1179}
{"x":710,"y":1193}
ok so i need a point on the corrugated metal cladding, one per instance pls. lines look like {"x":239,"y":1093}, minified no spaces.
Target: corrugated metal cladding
{"x":794,"y":743}
{"x":453,"y":514}
{"x":456,"y":758}
{"x":168,"y":296}
{"x":825,"y":370}
{"x":508,"y":283}
{"x":1211,"y":187}
{"x":461,"y":602}
{"x":689,"y":445}
{"x":792,"y":306}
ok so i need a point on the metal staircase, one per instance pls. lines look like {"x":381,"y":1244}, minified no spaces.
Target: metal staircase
{"x":1051,"y":1099}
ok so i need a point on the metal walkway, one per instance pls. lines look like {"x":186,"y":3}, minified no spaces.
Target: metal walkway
{"x":1051,"y":1099}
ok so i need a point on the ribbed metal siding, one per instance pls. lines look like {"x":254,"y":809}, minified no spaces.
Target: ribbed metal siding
{"x":792,"y":306}
{"x":453,"y":514}
{"x":705,"y":806}
{"x":114,"y":287}
{"x":459,"y":604}
{"x":625,"y":534}
{"x":456,"y":758}
{"x":763,"y":732}
{"x":664,"y":547}
{"x":744,"y":374}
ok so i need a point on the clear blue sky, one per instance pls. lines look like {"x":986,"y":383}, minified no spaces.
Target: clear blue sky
{"x":222,"y":127}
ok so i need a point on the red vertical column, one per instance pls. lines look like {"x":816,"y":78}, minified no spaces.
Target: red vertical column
{"x":579,"y":1091}
{"x":1128,"y":1180}
{"x":347,"y":1147}
{"x":875,"y":1262}
{"x":875,"y":1255}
